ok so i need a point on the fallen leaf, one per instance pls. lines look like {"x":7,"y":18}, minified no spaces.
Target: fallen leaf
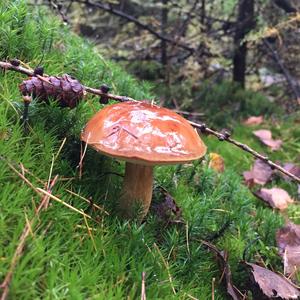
{"x":288,"y":242}
{"x":216,"y":162}
{"x":260,"y":173}
{"x":254,"y":120}
{"x":275,"y":197}
{"x":225,"y":269}
{"x":166,"y":208}
{"x":269,"y":285}
{"x":265,"y":137}
{"x":4,"y":134}
{"x":292,"y":168}
{"x":263,"y":134}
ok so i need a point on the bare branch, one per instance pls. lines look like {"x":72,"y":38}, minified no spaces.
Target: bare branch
{"x":226,"y":137}
{"x":129,"y":18}
{"x":203,"y":128}
{"x":292,"y":83}
{"x":58,"y":7}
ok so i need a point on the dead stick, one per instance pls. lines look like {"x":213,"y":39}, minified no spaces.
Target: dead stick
{"x":201,"y":126}
{"x":19,"y":250}
{"x":226,"y":137}
{"x":276,"y":57}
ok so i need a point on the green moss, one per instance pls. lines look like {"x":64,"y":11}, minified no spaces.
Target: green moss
{"x":226,"y":101}
{"x":60,"y":260}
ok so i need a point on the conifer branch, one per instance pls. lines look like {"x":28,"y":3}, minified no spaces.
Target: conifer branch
{"x":222,"y":136}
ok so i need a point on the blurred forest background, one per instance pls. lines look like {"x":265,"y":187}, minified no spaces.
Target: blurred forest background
{"x":221,"y":60}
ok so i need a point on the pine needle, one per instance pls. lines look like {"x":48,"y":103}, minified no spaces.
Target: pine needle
{"x":88,"y":201}
{"x":89,"y":232}
{"x":64,"y":203}
{"x":167,"y":268}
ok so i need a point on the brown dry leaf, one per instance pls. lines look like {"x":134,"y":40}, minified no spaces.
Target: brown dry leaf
{"x":254,"y":120}
{"x":269,"y":285}
{"x":4,"y":134}
{"x":275,"y":197}
{"x":292,"y":168}
{"x":265,"y":137}
{"x":167,"y":209}
{"x":225,"y":269}
{"x":288,"y":242}
{"x":216,"y":162}
{"x":260,"y":173}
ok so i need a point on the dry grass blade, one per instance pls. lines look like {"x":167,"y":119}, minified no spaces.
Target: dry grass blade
{"x":82,"y":155}
{"x":50,"y":172}
{"x":60,"y":148}
{"x":19,"y":250}
{"x":29,"y":173}
{"x":39,"y":190}
{"x":88,"y":201}
{"x":213,"y":288}
{"x":167,"y":268}
{"x":226,"y":272}
{"x":191,"y":297}
{"x":19,"y":174}
{"x":89,"y":232}
{"x":143,"y":292}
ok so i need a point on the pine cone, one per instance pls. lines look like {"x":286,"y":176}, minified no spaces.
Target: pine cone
{"x":67,"y":91}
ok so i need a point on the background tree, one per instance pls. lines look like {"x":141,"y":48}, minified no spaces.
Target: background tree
{"x":244,"y":24}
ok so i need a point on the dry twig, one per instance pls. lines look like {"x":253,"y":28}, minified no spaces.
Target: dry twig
{"x":143,"y":292}
{"x":225,"y":136}
{"x":39,"y":190}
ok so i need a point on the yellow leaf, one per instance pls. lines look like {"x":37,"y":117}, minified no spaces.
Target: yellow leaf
{"x":216,"y":162}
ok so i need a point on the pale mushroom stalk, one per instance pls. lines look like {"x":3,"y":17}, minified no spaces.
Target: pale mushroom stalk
{"x":136,"y":193}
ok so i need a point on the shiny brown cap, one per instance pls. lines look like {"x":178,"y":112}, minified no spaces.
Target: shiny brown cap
{"x":143,"y":133}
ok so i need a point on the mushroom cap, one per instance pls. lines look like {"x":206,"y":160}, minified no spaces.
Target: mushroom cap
{"x":143,"y":133}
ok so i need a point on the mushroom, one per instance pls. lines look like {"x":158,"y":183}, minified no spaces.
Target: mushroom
{"x":144,"y":135}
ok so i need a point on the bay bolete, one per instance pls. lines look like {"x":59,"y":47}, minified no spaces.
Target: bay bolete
{"x":143,"y":135}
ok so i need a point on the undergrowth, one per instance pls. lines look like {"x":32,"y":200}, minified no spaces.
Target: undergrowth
{"x":222,"y":102}
{"x":226,"y":101}
{"x":61,"y":259}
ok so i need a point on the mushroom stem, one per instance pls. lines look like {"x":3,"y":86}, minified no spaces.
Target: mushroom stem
{"x":137,"y":190}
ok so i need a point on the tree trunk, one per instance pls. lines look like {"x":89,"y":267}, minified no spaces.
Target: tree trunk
{"x":164,"y":24}
{"x":203,"y":12}
{"x":245,"y":22}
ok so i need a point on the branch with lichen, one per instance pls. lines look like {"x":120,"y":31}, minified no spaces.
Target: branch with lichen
{"x":16,"y":65}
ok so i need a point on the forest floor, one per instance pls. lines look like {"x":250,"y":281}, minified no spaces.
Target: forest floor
{"x":75,"y":250}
